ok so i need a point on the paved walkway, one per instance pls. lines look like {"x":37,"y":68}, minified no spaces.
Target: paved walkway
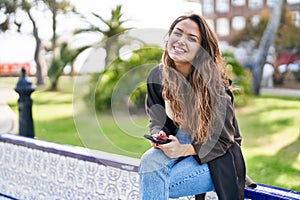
{"x":281,"y":91}
{"x":8,"y":118}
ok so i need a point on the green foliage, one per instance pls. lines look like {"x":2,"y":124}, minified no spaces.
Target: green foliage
{"x":55,"y":70}
{"x":66,"y":56}
{"x":138,"y":95}
{"x":240,"y":78}
{"x":110,"y":40}
{"x":128,"y":76}
{"x":115,"y":24}
{"x":288,"y":34}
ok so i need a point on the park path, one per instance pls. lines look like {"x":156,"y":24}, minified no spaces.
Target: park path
{"x":281,"y":91}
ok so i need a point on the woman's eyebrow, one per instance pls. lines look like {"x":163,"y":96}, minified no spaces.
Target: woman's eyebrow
{"x":190,"y":34}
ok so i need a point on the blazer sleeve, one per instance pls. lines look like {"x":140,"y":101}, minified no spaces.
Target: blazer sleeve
{"x":155,"y":104}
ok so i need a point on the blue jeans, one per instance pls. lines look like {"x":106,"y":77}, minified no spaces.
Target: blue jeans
{"x":162,"y":177}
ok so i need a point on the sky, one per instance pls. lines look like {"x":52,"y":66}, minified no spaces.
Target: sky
{"x":141,"y":14}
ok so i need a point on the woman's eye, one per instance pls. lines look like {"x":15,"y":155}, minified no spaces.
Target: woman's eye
{"x":177,"y":33}
{"x":191,"y":39}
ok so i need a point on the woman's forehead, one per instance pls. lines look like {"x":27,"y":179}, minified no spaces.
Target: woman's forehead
{"x":188,"y":26}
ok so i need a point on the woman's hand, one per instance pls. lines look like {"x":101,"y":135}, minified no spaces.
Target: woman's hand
{"x":161,"y":136}
{"x":174,"y":149}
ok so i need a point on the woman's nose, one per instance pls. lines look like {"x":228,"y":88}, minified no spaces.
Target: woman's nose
{"x":181,"y":41}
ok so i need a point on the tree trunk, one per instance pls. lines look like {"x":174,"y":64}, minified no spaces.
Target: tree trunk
{"x":265,"y":43}
{"x":53,"y":8}
{"x":53,"y":86}
{"x":39,"y":74}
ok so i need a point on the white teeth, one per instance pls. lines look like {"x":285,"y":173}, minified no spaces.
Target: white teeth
{"x":180,"y":50}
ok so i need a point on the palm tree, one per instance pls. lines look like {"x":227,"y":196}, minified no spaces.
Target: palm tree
{"x":66,"y":56}
{"x":114,"y":27}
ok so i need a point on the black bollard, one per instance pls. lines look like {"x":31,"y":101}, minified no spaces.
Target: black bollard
{"x":24,"y":89}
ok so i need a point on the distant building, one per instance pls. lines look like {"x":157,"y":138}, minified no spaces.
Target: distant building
{"x":13,"y":69}
{"x":229,"y":16}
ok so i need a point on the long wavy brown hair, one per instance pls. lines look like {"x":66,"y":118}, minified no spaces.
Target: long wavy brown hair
{"x":194,"y":99}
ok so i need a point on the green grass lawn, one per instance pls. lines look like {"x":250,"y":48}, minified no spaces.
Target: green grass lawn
{"x":269,"y":126}
{"x":271,"y":130}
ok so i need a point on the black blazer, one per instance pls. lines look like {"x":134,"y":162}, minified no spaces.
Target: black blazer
{"x":224,"y":159}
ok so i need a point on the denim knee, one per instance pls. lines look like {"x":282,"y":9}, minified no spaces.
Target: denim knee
{"x":153,"y":160}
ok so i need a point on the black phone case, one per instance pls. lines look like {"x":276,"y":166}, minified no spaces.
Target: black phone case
{"x":149,"y":137}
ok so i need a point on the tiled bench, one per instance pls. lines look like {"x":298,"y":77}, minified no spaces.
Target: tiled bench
{"x":35,"y":169}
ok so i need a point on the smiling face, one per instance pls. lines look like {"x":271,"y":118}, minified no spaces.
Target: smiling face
{"x":184,"y":42}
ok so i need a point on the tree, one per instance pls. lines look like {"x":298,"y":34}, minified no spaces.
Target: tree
{"x":66,"y":56}
{"x":61,"y":54}
{"x":252,"y":32}
{"x":11,"y":10}
{"x":288,"y":34}
{"x":286,"y":38}
{"x":26,"y":6}
{"x":125,"y":75}
{"x":112,"y":44}
{"x":114,"y":26}
{"x":8,"y":8}
{"x":240,"y":78}
{"x":265,"y":43}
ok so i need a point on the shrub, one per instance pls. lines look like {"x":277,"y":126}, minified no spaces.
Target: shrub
{"x":126,"y":76}
{"x":240,"y":77}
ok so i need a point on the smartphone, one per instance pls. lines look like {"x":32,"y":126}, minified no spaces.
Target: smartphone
{"x":149,"y":137}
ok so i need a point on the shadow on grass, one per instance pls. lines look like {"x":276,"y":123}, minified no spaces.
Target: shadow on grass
{"x":271,"y":108}
{"x":266,"y":118}
{"x":290,"y":153}
{"x":277,"y":168}
{"x":259,"y":130}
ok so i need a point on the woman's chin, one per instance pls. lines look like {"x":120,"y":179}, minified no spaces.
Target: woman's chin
{"x":178,"y":58}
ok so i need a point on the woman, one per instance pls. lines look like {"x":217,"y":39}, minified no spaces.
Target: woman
{"x":189,"y":103}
